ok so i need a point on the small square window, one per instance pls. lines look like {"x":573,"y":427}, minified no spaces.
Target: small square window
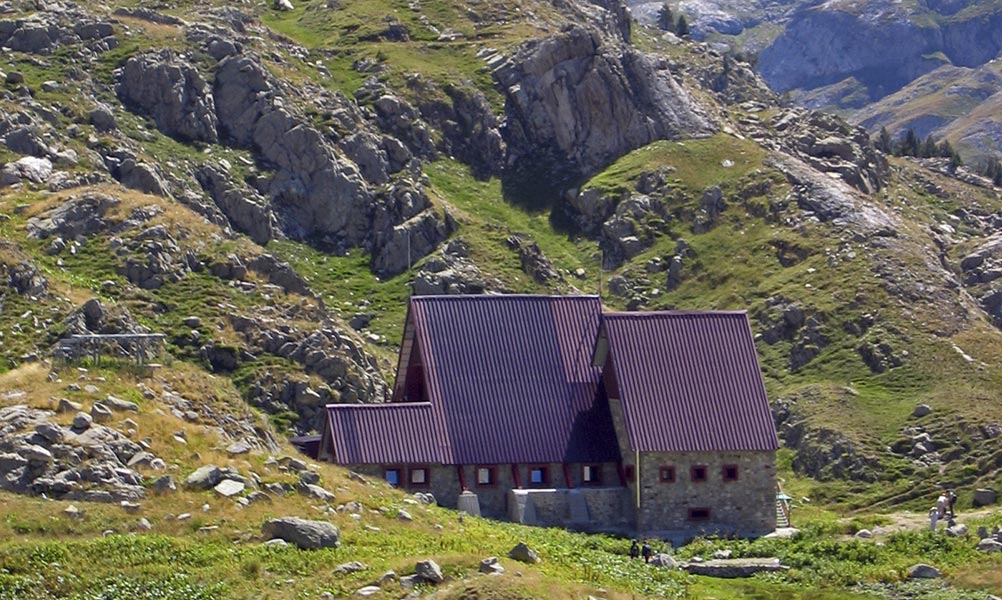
{"x":486,"y":476}
{"x":539,"y":475}
{"x":591,"y":474}
{"x":392,"y":476}
{"x":698,"y":473}
{"x":666,"y":474}
{"x":729,"y":472}
{"x":699,"y":514}
{"x":419,"y":476}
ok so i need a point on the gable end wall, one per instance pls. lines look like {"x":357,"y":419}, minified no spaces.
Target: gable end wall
{"x":743,"y":508}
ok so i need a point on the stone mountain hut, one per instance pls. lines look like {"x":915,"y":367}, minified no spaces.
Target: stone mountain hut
{"x":545,"y":410}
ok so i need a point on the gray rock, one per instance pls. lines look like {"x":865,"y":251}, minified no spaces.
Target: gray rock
{"x":238,"y":448}
{"x":37,"y":454}
{"x":283,"y":5}
{"x":258,"y":496}
{"x":118,"y":404}
{"x":144,"y":524}
{"x":429,"y":571}
{"x":349,"y":567}
{"x":172,"y":92}
{"x":66,"y":406}
{"x":864,"y":534}
{"x":204,"y":478}
{"x":51,"y":432}
{"x":922,"y":410}
{"x":403,"y":515}
{"x":102,"y":118}
{"x":923,"y":571}
{"x":557,"y":129}
{"x":140,"y":176}
{"x":35,"y":170}
{"x":990,"y":545}
{"x":491,"y":565}
{"x":308,"y":535}
{"x":958,"y":530}
{"x":984,"y":497}
{"x":82,"y":215}
{"x":665,"y":561}
{"x":276,"y":543}
{"x":369,"y":590}
{"x":522,"y":553}
{"x":15,"y":78}
{"x":228,"y":488}
{"x":315,"y":491}
{"x":246,"y":210}
{"x":409,"y":581}
{"x":734,"y":567}
{"x":164,"y":485}
{"x":101,"y":413}
{"x":141,"y":460}
{"x":73,"y":512}
{"x":82,"y":421}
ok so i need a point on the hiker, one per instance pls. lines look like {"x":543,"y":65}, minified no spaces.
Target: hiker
{"x":646,"y":552}
{"x":634,"y":550}
{"x":941,"y":505}
{"x":951,"y":502}
{"x":933,"y":517}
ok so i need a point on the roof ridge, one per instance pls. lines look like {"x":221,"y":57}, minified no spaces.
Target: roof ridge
{"x":376,"y":405}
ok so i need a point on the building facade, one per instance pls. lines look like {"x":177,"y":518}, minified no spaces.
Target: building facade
{"x":545,"y":410}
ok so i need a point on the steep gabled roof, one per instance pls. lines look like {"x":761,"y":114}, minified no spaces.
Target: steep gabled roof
{"x":508,"y":378}
{"x":688,"y":381}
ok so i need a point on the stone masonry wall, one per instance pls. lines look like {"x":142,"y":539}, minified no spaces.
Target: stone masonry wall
{"x":745,"y":507}
{"x":444,"y":484}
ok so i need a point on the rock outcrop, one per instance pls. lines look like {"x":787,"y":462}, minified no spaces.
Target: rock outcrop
{"x":576,"y":101}
{"x":172,"y":92}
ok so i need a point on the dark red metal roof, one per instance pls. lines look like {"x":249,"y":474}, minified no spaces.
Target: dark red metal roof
{"x":509,"y":379}
{"x":689,"y":381}
{"x":384,"y":433}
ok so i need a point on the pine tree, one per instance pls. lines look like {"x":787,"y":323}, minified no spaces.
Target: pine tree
{"x":884,"y":142}
{"x":929,"y":149}
{"x":666,"y":21}
{"x":681,"y":26}
{"x":910,"y":145}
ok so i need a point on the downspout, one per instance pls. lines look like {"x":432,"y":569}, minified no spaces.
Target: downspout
{"x":462,"y":478}
{"x":636,"y":481}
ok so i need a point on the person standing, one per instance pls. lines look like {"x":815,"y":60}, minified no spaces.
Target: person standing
{"x":646,"y":551}
{"x":634,"y":550}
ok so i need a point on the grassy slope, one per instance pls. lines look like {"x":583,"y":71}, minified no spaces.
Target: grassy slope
{"x":735,"y":268}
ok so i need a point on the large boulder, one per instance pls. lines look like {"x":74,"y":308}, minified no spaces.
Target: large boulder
{"x":308,"y":535}
{"x":204,"y":478}
{"x":522,"y":553}
{"x":429,"y":571}
{"x":984,"y":497}
{"x":172,"y":92}
{"x":923,"y":571}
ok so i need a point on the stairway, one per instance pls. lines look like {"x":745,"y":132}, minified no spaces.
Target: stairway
{"x":781,"y":519}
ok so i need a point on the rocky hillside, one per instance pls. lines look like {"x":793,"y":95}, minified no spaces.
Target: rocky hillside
{"x":265,"y":185}
{"x":927,"y":66}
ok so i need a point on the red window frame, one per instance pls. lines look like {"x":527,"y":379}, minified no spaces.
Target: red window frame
{"x":666,"y":474}
{"x":698,"y":473}
{"x":545,"y":479}
{"x":726,"y":472}
{"x":700,"y":513}
{"x":596,"y":469}
{"x":492,"y":470}
{"x":427,"y":477}
{"x":401,"y":475}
